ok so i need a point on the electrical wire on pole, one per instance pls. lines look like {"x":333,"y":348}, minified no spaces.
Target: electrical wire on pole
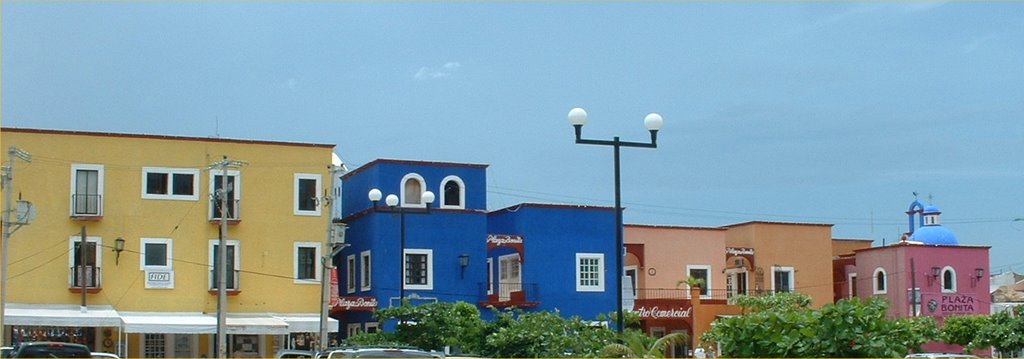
{"x":8,"y":177}
{"x":221,"y":195}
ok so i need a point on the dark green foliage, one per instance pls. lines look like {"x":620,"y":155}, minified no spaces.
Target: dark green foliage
{"x":964,"y":330}
{"x":783,"y":326}
{"x":436,"y":325}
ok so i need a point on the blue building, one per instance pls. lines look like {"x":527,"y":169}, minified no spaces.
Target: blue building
{"x":531,"y":256}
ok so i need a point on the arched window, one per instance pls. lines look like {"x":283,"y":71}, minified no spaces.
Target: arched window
{"x":948,"y":280}
{"x":412,"y":190}
{"x":453,"y":193}
{"x":880,"y":284}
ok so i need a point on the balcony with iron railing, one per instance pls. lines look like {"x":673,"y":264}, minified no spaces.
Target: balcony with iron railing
{"x":233,"y":213}
{"x":86,"y":206}
{"x":705,"y":294}
{"x":503,"y":295}
{"x":231,"y":285}
{"x":89,"y":275}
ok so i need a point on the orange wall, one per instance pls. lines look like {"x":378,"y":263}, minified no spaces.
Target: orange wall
{"x":847,"y":246}
{"x":805,"y":247}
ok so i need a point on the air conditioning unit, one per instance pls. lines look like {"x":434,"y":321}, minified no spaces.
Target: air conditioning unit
{"x":337,"y":233}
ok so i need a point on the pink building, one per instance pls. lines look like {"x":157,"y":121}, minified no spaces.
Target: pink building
{"x":947,"y":278}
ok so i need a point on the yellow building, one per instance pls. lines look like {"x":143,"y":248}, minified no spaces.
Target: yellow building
{"x":157,"y":297}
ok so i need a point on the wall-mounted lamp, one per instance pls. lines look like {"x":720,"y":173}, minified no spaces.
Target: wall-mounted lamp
{"x":463,"y":263}
{"x":936,"y":271}
{"x":979,"y":272}
{"x":118,"y":248}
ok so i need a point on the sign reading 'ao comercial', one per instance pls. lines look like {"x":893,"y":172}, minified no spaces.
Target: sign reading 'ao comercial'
{"x":655,"y":312}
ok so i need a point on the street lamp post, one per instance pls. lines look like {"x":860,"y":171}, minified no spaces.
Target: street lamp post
{"x":392,"y":207}
{"x":653,"y":122}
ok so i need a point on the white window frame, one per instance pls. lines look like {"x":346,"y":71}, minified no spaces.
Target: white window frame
{"x":365,"y":271}
{"x":99,"y":258}
{"x":874,"y":281}
{"x":319,"y":189}
{"x":792,"y":278}
{"x":599,"y":287}
{"x":317,"y":266}
{"x":354,"y":328}
{"x":238,"y":263}
{"x":462,"y":192}
{"x":142,"y":254}
{"x":707,"y":281}
{"x":942,"y":280}
{"x":75,"y":167}
{"x":402,"y":194}
{"x":490,"y":275}
{"x":237,"y":189}
{"x":374,"y":325}
{"x":430,"y":269}
{"x":851,"y":284}
{"x":170,"y":172}
{"x":350,"y":274}
{"x":158,"y":351}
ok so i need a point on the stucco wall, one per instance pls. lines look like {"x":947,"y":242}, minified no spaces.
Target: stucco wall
{"x":268,"y":229}
{"x":668,"y":250}
{"x":807,"y":248}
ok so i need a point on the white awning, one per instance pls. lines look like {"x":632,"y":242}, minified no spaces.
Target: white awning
{"x":199,"y":323}
{"x":61,"y":315}
{"x":306,"y":322}
{"x":250,"y":324}
{"x":169,"y":322}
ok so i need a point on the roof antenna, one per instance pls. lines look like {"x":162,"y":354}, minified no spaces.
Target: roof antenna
{"x":216,"y":130}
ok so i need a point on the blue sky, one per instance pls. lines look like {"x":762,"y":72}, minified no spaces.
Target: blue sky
{"x":821,"y":112}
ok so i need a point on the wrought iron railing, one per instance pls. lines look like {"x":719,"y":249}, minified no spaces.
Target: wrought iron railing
{"x":684,"y":293}
{"x":510,"y":293}
{"x":232,"y":280}
{"x":90,"y":275}
{"x":232,"y":212}
{"x":87,"y":204}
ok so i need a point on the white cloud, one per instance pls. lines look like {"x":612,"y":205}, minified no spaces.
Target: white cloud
{"x":426,"y":73}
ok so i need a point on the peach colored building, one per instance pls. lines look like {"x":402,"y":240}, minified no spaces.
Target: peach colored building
{"x":659,"y":259}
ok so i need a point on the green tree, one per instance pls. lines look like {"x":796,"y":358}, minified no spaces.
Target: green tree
{"x":784,"y":326}
{"x":435,"y":325}
{"x":964,"y":329}
{"x":516,"y":334}
{"x":1004,"y":331}
{"x":636,"y":344}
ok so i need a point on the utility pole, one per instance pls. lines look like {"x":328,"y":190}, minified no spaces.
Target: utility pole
{"x":336,"y":169}
{"x":222,"y":253}
{"x":8,"y":176}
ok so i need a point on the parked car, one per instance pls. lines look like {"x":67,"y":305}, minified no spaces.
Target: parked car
{"x":379,"y":353}
{"x":293,"y":353}
{"x":105,"y":355}
{"x":50,"y":350}
{"x":939,"y":356}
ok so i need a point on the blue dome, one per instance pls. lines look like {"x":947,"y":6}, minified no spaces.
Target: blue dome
{"x":934,"y":235}
{"x":931,"y":210}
